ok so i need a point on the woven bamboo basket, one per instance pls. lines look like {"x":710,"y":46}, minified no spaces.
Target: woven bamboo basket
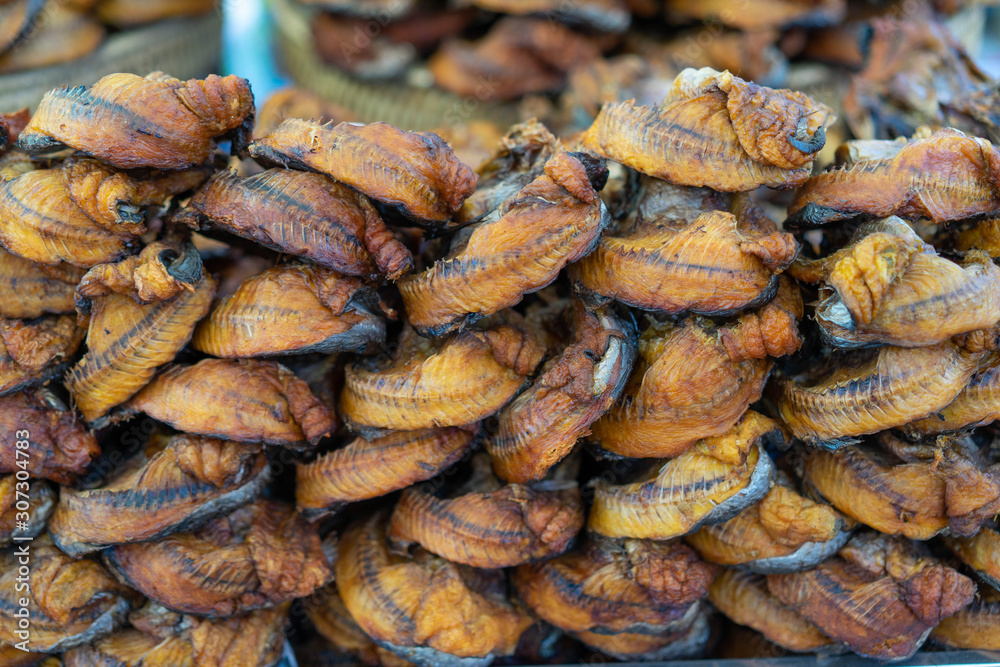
{"x":398,"y":102}
{"x":184,"y":48}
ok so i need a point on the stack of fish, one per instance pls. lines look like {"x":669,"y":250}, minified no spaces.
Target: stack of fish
{"x":565,"y":403}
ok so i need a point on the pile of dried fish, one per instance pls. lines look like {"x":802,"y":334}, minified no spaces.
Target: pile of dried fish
{"x":563,"y":405}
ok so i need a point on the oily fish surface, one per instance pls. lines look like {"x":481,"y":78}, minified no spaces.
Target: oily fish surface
{"x":675,"y":497}
{"x":463,"y":379}
{"x":977,"y":404}
{"x":420,"y":602}
{"x":554,"y":220}
{"x":684,"y":386}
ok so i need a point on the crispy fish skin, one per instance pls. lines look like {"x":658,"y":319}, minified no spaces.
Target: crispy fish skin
{"x":714,"y":129}
{"x":977,"y":404}
{"x":743,"y":597}
{"x":43,"y":224}
{"x":880,"y":596}
{"x":244,"y":400}
{"x":709,"y":483}
{"x":371,"y":468}
{"x":60,"y":446}
{"x":184,"y":484}
{"x":684,"y":386}
{"x":41,"y":499}
{"x":261,"y":555}
{"x":541,"y":425}
{"x":554,"y":220}
{"x":512,"y":525}
{"x":708,"y":267}
{"x":947,"y":176}
{"x":974,"y":627}
{"x":897,"y":386}
{"x":915,"y":499}
{"x":689,"y":642}
{"x":889,"y":287}
{"x":307,"y":215}
{"x":421,"y":607}
{"x":981,"y":552}
{"x":784,"y":532}
{"x":131,"y":121}
{"x":632,"y":586}
{"x":333,"y":621}
{"x":70,"y":602}
{"x":416,"y":172}
{"x":128,"y":340}
{"x":291,"y":309}
{"x":34,"y":291}
{"x":457,"y":382}
{"x":32,"y":352}
{"x":985,"y":236}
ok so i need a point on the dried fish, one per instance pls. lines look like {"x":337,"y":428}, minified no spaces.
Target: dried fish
{"x":976,"y":405}
{"x":611,"y":587}
{"x":743,"y":597}
{"x":947,"y":176}
{"x":554,"y":220}
{"x":689,"y":642}
{"x":541,"y":425}
{"x":975,"y":626}
{"x":11,"y":125}
{"x":684,"y":386}
{"x":143,"y":310}
{"x":603,"y":15}
{"x":489,"y":525}
{"x":889,"y":287}
{"x":415,"y":173}
{"x":70,"y":602}
{"x":125,"y":13}
{"x":304,"y":214}
{"x":35,"y":289}
{"x":130,"y":121}
{"x":56,"y":447}
{"x":34,"y":351}
{"x":880,"y":596}
{"x":368,"y":469}
{"x":331,"y":619}
{"x":292,"y":309}
{"x":717,"y":130}
{"x":981,"y":552}
{"x":759,"y":14}
{"x":174,"y":485}
{"x":714,"y":265}
{"x":889,"y":388}
{"x":261,"y":555}
{"x":244,"y":400}
{"x":422,"y":607}
{"x":36,"y":499}
{"x":710,"y":483}
{"x":451,"y":382}
{"x":784,"y":532}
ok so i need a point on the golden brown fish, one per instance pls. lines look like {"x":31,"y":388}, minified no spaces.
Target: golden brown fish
{"x":880,"y":596}
{"x":542,"y":424}
{"x":714,"y":129}
{"x":292,"y":309}
{"x":143,"y":310}
{"x":975,"y":627}
{"x":415,"y":173}
{"x":35,"y":289}
{"x":37,"y":500}
{"x":711,"y":482}
{"x":889,"y":287}
{"x":784,"y":532}
{"x":130,"y":121}
{"x":174,"y":485}
{"x":758,"y":14}
{"x":261,"y":555}
{"x":371,"y":468}
{"x":981,"y":552}
{"x":743,"y":597}
{"x":11,"y":124}
{"x":947,"y":176}
{"x":451,"y":382}
{"x":244,"y":400}
{"x":331,"y":619}
{"x":684,"y":386}
{"x":34,"y":351}
{"x":877,"y":391}
{"x":70,"y":602}
{"x":422,"y":607}
{"x":601,"y":15}
{"x":554,"y":220}
{"x":304,"y":214}
{"x":125,"y":13}
{"x":487,"y":524}
{"x":977,"y":405}
{"x":54,"y":444}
